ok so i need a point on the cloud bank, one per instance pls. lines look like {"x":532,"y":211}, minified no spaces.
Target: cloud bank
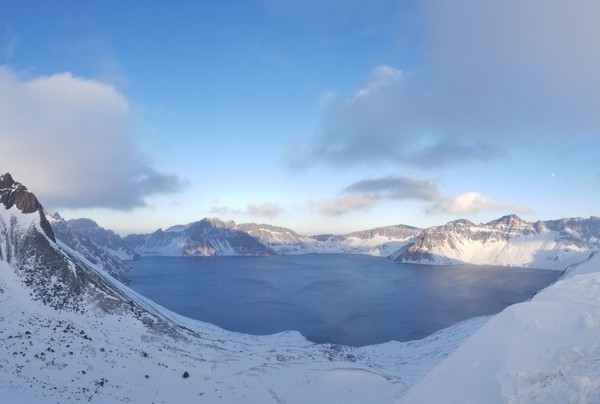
{"x":267,"y":210}
{"x":66,"y":138}
{"x":492,"y":75}
{"x":366,"y":193}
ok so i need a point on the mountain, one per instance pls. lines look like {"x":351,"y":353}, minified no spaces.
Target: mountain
{"x":103,"y":238}
{"x":508,"y":241}
{"x":207,"y":237}
{"x":96,"y":250}
{"x":53,"y":273}
{"x":380,"y":241}
{"x":280,"y":239}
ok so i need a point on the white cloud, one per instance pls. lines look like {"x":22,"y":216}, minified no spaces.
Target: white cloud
{"x":396,"y":187}
{"x":67,"y":139}
{"x":343,"y":204}
{"x":267,"y":210}
{"x":369,"y":192}
{"x":489,"y":72}
{"x":473,"y":203}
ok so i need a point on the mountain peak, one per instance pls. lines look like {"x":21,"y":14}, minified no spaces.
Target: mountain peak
{"x":13,"y":193}
{"x":6,"y":181}
{"x":511,"y":220}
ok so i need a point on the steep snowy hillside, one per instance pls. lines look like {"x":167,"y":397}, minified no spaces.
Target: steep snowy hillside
{"x":96,"y":253}
{"x":69,"y":332}
{"x":206,"y":237}
{"x":542,"y":351}
{"x":507,"y":241}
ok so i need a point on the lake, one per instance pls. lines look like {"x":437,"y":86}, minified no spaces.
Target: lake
{"x":346,"y":299}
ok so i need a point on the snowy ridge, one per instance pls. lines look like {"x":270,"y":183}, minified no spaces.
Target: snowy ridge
{"x":508,"y":241}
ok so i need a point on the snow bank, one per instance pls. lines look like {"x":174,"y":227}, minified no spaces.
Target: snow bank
{"x":543,"y":351}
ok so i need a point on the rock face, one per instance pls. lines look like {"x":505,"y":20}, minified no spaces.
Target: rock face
{"x":510,"y":240}
{"x":14,"y":194}
{"x":207,"y":237}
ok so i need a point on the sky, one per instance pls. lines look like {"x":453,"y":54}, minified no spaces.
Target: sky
{"x":325,"y":116}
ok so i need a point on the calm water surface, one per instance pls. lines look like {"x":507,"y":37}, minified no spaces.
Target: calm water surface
{"x":347,"y":299}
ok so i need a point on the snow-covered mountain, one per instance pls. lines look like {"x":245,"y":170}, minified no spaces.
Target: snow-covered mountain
{"x":206,"y":237}
{"x":380,"y":241}
{"x":100,"y":251}
{"x":510,"y":240}
{"x":103,"y":238}
{"x":53,"y":273}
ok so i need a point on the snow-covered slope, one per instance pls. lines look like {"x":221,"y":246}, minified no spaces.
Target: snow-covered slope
{"x":543,"y":351}
{"x":69,"y":332}
{"x":507,"y":241}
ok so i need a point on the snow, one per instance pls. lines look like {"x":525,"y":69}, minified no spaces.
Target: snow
{"x":543,"y":351}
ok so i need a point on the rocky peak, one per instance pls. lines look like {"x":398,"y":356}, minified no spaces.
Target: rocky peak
{"x":15,"y":194}
{"x":508,"y":220}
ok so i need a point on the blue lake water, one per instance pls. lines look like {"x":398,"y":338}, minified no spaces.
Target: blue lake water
{"x":347,"y":299}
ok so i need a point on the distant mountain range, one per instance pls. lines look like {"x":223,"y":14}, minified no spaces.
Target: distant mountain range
{"x":507,"y":241}
{"x":209,"y":237}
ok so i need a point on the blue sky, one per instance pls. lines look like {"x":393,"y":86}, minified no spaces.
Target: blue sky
{"x":322,"y":116}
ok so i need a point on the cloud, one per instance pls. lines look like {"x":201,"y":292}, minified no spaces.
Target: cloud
{"x":472,"y":203}
{"x":67,"y":139}
{"x":396,"y":188}
{"x":366,"y":193}
{"x":343,"y":204}
{"x":268,"y":210}
{"x":490,"y":76}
